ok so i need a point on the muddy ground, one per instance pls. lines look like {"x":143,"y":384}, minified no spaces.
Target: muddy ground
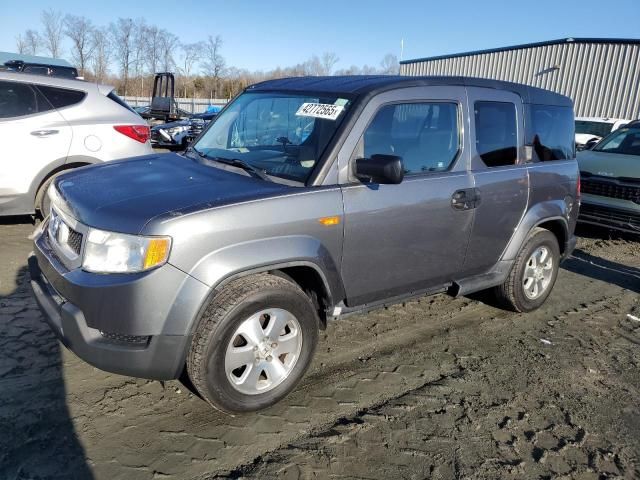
{"x":438,"y":388}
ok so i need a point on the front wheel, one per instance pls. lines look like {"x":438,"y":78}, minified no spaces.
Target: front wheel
{"x":254,"y":343}
{"x":533,"y":274}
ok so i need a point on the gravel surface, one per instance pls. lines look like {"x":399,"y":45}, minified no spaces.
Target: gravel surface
{"x":436,"y":388}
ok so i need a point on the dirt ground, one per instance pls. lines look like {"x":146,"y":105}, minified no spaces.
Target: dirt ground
{"x":438,"y":388}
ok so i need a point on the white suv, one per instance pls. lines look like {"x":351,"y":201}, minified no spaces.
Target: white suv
{"x":48,"y":125}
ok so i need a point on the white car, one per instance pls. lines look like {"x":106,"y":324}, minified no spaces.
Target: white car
{"x":49,"y":125}
{"x":590,"y":130}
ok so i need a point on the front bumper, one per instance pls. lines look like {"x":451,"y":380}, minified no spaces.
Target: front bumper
{"x":610,"y":217}
{"x":135,"y":327}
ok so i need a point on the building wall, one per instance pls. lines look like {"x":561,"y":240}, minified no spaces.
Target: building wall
{"x":603,"y":79}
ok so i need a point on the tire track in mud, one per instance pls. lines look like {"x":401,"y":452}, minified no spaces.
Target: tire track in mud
{"x":429,"y":373}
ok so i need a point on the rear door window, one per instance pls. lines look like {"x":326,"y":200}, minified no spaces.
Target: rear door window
{"x":62,"y":97}
{"x":551,"y":132}
{"x":20,"y":99}
{"x":496,"y":133}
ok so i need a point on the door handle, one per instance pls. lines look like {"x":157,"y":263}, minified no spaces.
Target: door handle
{"x":44,"y":133}
{"x":465,"y":199}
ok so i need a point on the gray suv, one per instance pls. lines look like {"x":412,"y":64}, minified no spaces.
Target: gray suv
{"x":305,"y":200}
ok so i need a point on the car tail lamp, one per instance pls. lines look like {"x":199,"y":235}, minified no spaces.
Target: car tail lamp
{"x":578,"y":194}
{"x":139,"y":133}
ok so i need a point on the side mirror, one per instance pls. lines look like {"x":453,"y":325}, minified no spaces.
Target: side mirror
{"x":380,"y":169}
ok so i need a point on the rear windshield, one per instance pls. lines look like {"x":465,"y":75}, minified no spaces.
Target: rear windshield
{"x":112,"y":95}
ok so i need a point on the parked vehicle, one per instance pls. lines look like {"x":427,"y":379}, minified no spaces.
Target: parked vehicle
{"x":179,"y":134}
{"x":611,"y":181}
{"x":50,"y":125}
{"x":590,"y":130}
{"x":306,"y":200}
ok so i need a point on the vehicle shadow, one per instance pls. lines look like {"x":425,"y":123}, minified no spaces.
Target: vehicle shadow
{"x":37,"y":436}
{"x":598,"y":268}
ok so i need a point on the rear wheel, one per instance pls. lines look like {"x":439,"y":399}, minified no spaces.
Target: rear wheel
{"x":254,"y":342}
{"x":533,"y":274}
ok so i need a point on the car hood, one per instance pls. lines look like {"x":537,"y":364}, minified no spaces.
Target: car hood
{"x":582,"y":138}
{"x":123,"y":196}
{"x":609,"y":164}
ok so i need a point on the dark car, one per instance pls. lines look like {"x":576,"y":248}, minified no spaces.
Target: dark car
{"x":179,"y":134}
{"x":306,"y":200}
{"x":41,"y":69}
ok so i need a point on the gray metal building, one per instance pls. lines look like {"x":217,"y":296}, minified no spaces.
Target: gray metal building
{"x":602,"y":76}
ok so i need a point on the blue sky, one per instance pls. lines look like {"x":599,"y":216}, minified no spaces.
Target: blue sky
{"x":266,"y":34}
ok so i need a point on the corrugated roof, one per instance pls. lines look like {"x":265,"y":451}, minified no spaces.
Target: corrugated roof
{"x":630,"y":41}
{"x":6,"y":56}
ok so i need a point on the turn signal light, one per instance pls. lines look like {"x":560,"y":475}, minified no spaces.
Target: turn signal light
{"x":329,"y":221}
{"x":157,"y":252}
{"x":139,"y":133}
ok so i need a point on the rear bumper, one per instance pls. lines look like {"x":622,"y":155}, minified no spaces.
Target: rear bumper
{"x":615,"y":218}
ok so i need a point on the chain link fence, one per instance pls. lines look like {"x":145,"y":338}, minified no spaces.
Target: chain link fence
{"x":191,"y":105}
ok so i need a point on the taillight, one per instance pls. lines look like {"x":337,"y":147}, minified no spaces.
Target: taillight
{"x":139,"y":133}
{"x":578,"y":192}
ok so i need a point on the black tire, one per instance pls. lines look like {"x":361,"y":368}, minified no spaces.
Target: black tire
{"x":235,"y":303}
{"x":511,"y":294}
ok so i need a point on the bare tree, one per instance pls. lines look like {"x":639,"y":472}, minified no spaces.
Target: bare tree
{"x":168,"y":45}
{"x":21,"y":44}
{"x":328,"y":61}
{"x":32,"y":42}
{"x":389,"y":65}
{"x":139,"y":51}
{"x":53,"y":27}
{"x":101,"y":53}
{"x":214,"y":61}
{"x":191,"y":54}
{"x":152,"y":48}
{"x":122,"y":36}
{"x":80,"y":32}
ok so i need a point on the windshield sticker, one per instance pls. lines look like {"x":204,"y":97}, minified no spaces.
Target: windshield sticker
{"x":319,"y":110}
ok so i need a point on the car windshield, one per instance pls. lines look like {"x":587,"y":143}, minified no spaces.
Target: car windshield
{"x":625,"y":141}
{"x":280,"y":134}
{"x":589,"y":127}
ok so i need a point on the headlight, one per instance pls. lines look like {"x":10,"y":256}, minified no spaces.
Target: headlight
{"x":175,"y":130}
{"x":109,"y":252}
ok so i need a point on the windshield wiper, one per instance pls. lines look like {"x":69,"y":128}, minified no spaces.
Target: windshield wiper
{"x":236,"y":162}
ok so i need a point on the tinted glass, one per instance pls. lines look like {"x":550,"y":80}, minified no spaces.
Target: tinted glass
{"x":551,"y":132}
{"x":625,"y":141}
{"x":496,"y":133}
{"x":282,"y":134}
{"x":112,"y":96}
{"x":599,"y":129}
{"x":62,"y":97}
{"x":17,"y":100}
{"x":425,"y":135}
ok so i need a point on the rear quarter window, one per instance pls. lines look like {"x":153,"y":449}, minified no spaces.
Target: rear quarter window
{"x":62,"y":97}
{"x":115,"y":98}
{"x":550,"y":130}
